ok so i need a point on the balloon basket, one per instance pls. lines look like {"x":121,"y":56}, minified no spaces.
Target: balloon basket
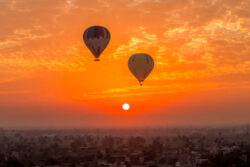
{"x":96,"y":59}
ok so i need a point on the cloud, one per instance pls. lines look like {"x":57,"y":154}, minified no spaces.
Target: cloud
{"x":187,"y":38}
{"x":8,"y":44}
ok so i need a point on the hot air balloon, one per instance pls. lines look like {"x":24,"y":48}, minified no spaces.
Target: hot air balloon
{"x":96,"y":39}
{"x":141,"y":65}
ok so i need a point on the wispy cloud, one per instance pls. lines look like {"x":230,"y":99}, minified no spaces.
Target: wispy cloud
{"x":188,"y":39}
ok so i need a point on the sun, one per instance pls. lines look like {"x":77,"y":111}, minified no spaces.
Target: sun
{"x":125,"y":106}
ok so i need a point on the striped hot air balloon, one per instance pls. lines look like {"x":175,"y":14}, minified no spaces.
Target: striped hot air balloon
{"x":141,"y":65}
{"x":96,"y":39}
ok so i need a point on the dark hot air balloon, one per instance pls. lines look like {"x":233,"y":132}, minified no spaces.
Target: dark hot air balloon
{"x":141,"y":65}
{"x":96,"y":39}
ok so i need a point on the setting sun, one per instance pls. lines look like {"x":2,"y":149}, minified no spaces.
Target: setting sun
{"x":125,"y":106}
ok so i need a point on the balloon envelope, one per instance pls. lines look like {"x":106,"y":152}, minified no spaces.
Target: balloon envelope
{"x":141,"y":65}
{"x":96,"y":39}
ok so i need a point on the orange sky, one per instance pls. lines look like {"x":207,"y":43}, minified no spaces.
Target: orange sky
{"x":48,"y":77}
